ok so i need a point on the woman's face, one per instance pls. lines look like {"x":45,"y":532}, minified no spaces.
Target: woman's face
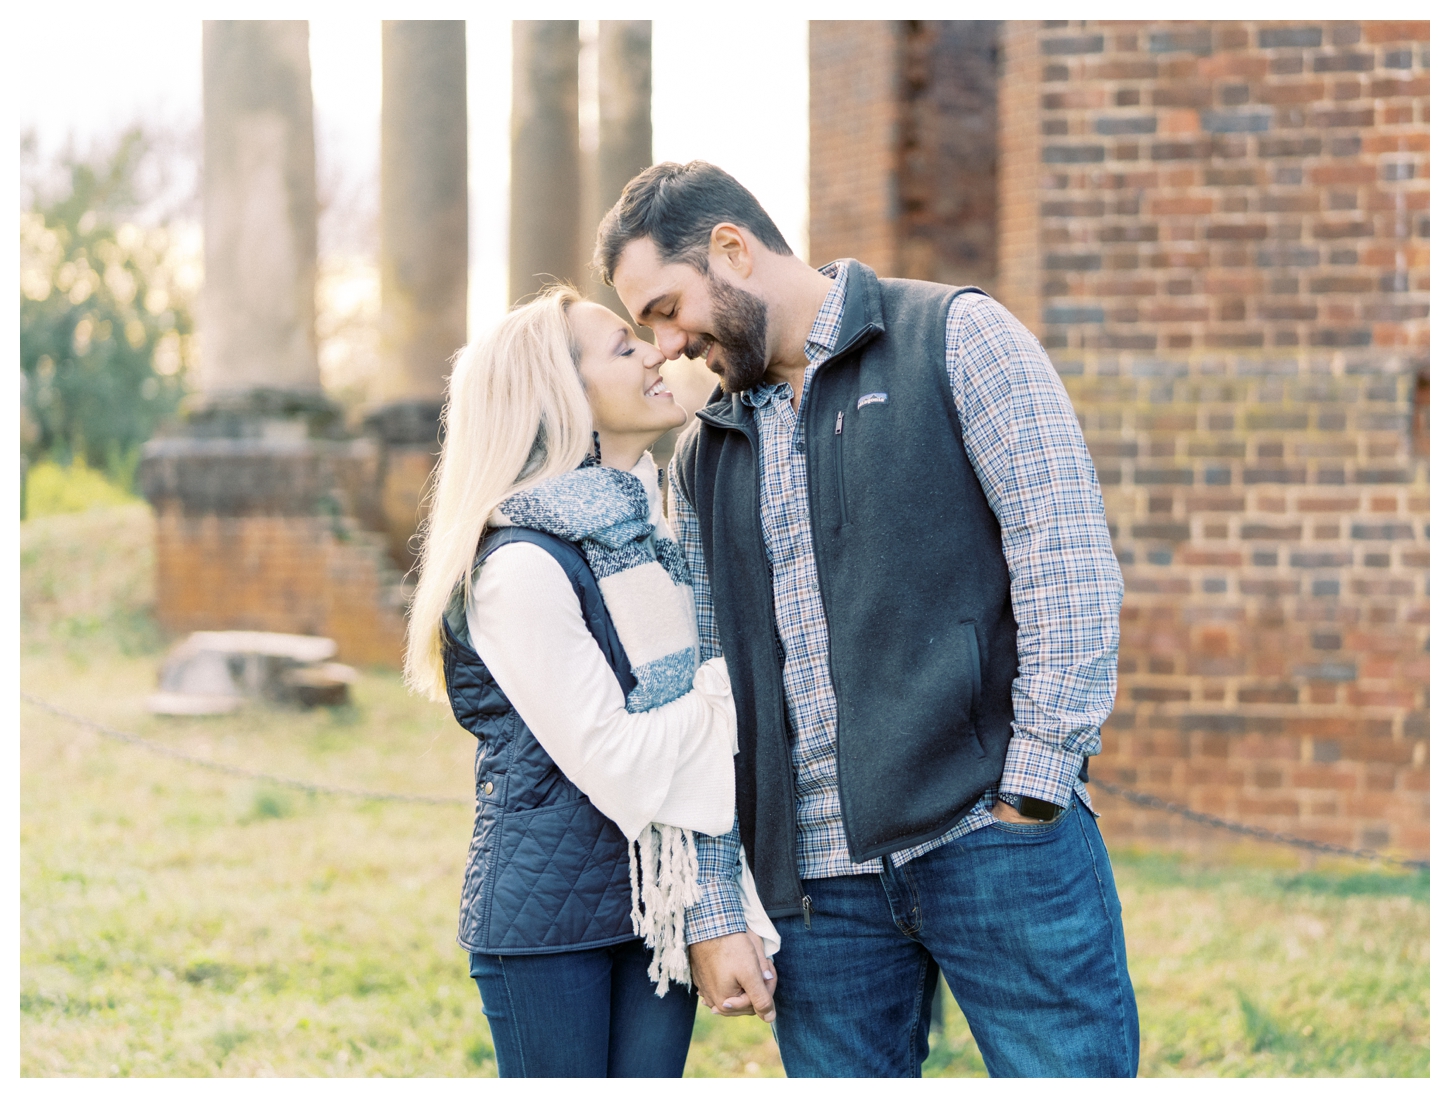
{"x":632,"y":406}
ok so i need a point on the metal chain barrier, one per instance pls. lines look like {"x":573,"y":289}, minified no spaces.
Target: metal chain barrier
{"x":1147,"y":800}
{"x":237,"y":771}
{"x":1144,"y":800}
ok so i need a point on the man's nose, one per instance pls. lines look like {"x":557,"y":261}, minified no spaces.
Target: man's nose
{"x":671,"y":342}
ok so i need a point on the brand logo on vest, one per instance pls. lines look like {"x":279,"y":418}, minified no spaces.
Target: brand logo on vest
{"x":871,"y":398}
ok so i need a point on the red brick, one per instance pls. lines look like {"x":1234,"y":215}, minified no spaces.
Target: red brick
{"x":1167,"y":206}
{"x":1387,"y":31}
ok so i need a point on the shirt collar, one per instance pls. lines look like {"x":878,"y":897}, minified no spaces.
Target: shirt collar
{"x":820,"y":340}
{"x":826,"y":329}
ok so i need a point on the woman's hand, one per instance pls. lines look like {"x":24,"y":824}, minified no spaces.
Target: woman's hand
{"x":767,"y":967}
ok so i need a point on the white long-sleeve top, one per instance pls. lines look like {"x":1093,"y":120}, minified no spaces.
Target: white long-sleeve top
{"x":671,"y":765}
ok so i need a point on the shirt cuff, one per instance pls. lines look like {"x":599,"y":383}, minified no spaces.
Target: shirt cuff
{"x":718,"y":912}
{"x":1036,"y":769}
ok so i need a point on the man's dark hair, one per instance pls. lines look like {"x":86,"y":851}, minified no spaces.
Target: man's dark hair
{"x":678,"y":206}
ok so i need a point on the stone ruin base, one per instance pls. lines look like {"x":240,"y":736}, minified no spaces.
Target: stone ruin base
{"x":268,"y":533}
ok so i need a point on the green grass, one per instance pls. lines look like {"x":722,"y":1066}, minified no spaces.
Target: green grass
{"x":176,"y":921}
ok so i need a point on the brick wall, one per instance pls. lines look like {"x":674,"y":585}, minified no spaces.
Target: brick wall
{"x":1019,"y":235}
{"x":855,"y":83}
{"x":903,"y":169}
{"x":947,"y":160}
{"x":1272,"y":526}
{"x":283,"y":574}
{"x":1233,"y":185}
{"x":1232,"y":276}
{"x":1220,"y":232}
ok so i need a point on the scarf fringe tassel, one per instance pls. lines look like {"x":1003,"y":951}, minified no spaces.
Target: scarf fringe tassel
{"x":662,"y":877}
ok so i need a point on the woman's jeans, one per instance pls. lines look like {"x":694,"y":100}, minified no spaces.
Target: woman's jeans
{"x":1023,"y":920}
{"x":588,"y":1014}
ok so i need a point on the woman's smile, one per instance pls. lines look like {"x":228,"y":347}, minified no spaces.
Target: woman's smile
{"x":631,"y":404}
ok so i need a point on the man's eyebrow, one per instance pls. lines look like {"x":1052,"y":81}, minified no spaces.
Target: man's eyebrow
{"x":645,"y":312}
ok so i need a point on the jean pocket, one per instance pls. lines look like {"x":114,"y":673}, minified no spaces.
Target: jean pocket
{"x":1033,"y":830}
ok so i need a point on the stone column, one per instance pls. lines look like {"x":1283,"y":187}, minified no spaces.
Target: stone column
{"x":626,"y":148}
{"x":544,"y":167}
{"x":259,"y":211}
{"x":626,"y":131}
{"x":255,"y":488}
{"x":423,"y":259}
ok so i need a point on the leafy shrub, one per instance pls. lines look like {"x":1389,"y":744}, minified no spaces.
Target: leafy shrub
{"x":105,"y":315}
{"x":52,"y":489}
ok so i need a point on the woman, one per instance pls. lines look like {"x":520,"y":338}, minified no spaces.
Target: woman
{"x":555,"y":614}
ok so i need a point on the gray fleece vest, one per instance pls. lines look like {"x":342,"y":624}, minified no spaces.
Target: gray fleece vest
{"x":923,"y":644}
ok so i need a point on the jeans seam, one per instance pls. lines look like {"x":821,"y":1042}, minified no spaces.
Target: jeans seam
{"x":916,"y":1014}
{"x":513,"y":1017}
{"x":1120,"y":972}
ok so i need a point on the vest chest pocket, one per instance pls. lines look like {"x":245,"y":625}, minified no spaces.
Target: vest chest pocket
{"x":840,"y":449}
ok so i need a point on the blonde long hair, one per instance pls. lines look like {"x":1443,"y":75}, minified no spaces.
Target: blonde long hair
{"x":516,"y":415}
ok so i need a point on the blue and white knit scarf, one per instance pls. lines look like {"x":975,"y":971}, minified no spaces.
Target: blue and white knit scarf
{"x":646,"y":587}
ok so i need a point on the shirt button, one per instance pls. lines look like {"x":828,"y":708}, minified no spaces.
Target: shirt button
{"x":487,"y":789}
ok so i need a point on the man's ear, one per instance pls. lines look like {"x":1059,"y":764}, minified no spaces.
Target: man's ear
{"x":734,"y":245}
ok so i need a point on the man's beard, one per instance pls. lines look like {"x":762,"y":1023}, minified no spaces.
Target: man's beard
{"x":739,"y":321}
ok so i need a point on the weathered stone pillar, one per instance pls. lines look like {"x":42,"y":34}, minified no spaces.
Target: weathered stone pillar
{"x":423,"y":260}
{"x":626,"y":130}
{"x":255,"y":487}
{"x":544,"y":200}
{"x":259,"y":208}
{"x":626,"y":146}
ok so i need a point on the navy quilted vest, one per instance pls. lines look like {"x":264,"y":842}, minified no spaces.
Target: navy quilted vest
{"x":547,"y":871}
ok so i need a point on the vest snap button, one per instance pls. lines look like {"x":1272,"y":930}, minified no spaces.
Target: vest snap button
{"x":487,"y":788}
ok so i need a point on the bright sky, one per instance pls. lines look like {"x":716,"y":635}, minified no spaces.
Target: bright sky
{"x":86,"y":79}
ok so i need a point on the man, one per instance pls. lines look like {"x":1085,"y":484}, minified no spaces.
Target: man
{"x":898,"y":542}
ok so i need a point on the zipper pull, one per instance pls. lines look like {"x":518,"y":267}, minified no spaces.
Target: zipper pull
{"x":806,"y":910}
{"x":840,"y":417}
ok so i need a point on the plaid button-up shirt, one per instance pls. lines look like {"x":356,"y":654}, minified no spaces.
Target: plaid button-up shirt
{"x":1027,"y":449}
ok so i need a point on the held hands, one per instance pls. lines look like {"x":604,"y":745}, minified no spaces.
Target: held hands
{"x":734,"y":975}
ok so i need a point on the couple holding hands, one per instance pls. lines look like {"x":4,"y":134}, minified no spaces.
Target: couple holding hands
{"x":819,"y":736}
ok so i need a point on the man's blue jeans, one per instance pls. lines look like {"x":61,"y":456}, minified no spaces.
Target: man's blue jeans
{"x":1023,"y":920}
{"x":590,"y":1014}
